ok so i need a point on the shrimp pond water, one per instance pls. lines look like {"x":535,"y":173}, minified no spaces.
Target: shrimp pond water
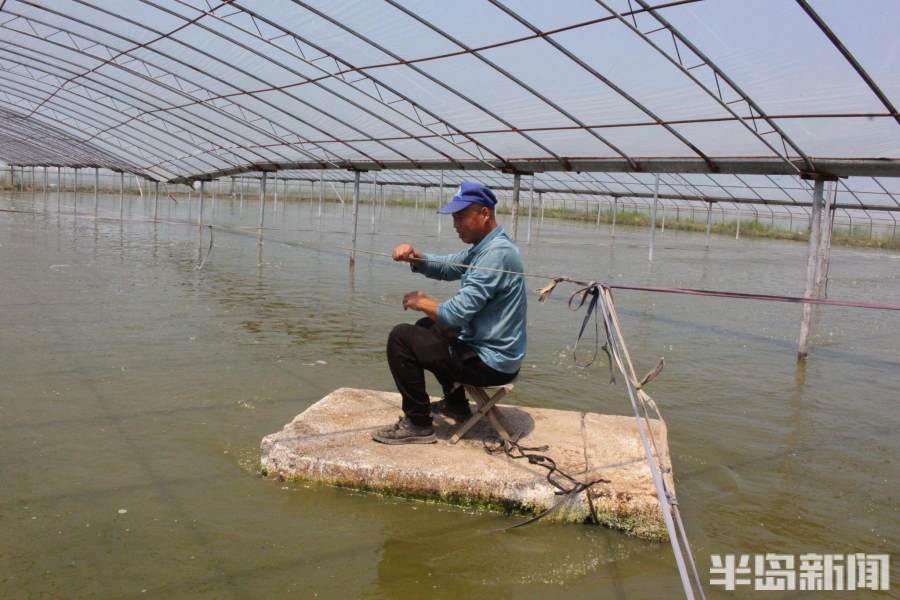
{"x":135,"y":389}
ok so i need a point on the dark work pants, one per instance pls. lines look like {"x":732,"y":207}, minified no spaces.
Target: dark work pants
{"x":412,"y":349}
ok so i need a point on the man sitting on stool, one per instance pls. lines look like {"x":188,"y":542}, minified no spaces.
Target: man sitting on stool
{"x":475,"y":337}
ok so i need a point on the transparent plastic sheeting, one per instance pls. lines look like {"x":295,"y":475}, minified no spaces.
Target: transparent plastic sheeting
{"x":179,"y":89}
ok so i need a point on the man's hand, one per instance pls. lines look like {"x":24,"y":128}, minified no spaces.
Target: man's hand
{"x":406,"y":253}
{"x":418,"y":301}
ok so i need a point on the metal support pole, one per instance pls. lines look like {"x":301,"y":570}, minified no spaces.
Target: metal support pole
{"x":275,"y":187}
{"x":96,"y":189}
{"x":541,"y":202}
{"x":824,"y":251}
{"x":653,"y":218}
{"x":59,"y":189}
{"x":598,"y":213}
{"x":612,"y":231}
{"x":530,"y":207}
{"x":74,"y":190}
{"x":121,"y":195}
{"x":45,"y":184}
{"x":355,"y":215}
{"x":262,"y":210}
{"x":200,"y":214}
{"x":440,"y":202}
{"x":156,"y":203}
{"x":662,"y":228}
{"x":321,"y":191}
{"x":242,"y":192}
{"x":517,"y":180}
{"x":811,"y":264}
{"x":708,"y":221}
{"x":737,"y":233}
{"x":374,"y":198}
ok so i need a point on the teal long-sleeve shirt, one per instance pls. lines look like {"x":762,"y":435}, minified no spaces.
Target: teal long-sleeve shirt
{"x":490,"y":307}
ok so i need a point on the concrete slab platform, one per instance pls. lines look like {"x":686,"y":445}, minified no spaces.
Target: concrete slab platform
{"x":330,"y":442}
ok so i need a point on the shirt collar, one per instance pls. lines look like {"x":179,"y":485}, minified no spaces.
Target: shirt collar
{"x":498,"y":230}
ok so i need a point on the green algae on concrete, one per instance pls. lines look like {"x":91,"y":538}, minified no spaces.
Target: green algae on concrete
{"x":331,"y":443}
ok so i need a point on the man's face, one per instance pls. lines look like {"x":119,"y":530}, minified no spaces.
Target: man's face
{"x":471,"y":222}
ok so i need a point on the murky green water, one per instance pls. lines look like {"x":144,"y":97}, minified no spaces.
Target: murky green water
{"x":134,"y":390}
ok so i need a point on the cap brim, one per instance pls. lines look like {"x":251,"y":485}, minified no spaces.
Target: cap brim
{"x":454,"y":206}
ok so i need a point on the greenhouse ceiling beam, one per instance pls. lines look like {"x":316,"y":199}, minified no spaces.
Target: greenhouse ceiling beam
{"x":825,"y":167}
{"x":719,"y":74}
{"x":850,"y":58}
{"x":496,"y":67}
{"x":605,"y":80}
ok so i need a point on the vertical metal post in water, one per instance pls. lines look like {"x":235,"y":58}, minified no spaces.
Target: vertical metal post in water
{"x":811,"y":264}
{"x":59,"y":188}
{"x":121,"y":195}
{"x":653,"y":218}
{"x":321,"y":191}
{"x":242,"y":192}
{"x":355,"y":215}
{"x":517,"y":180}
{"x":96,"y":189}
{"x":530,"y":207}
{"x":374,"y":198}
{"x":708,"y":221}
{"x":74,"y":191}
{"x":45,"y":185}
{"x":612,"y":230}
{"x":156,"y":203}
{"x":440,"y":202}
{"x":541,"y":202}
{"x":200,"y":214}
{"x":824,"y":251}
{"x":275,"y":187}
{"x":262,"y":210}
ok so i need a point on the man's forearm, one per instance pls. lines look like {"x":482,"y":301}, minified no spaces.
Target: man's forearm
{"x":429,"y":306}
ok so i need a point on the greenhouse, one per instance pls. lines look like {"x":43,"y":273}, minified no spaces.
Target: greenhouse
{"x":184,"y":182}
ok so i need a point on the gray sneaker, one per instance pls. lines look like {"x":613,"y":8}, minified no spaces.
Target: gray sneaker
{"x":405,"y":431}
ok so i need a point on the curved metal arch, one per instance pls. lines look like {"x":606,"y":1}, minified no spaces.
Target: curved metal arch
{"x":52,"y":142}
{"x":249,"y":74}
{"x":718,"y":73}
{"x":220,"y":80}
{"x":431,"y":78}
{"x":75,"y":115}
{"x":845,"y":52}
{"x":91,"y":137}
{"x":378,"y":84}
{"x":129,"y":71}
{"x":90,"y":101}
{"x":606,"y":81}
{"x":229,"y":118}
{"x":320,"y":86}
{"x":512,"y":78}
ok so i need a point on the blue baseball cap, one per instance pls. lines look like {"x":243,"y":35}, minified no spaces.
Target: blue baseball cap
{"x":469,"y":193}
